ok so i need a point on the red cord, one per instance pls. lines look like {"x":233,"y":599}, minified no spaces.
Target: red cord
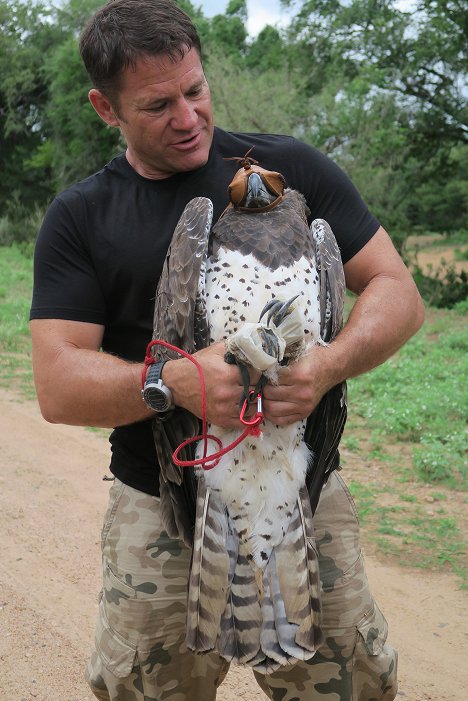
{"x":210,"y":461}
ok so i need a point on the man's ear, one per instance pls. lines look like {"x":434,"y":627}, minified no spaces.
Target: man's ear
{"x":103,"y":107}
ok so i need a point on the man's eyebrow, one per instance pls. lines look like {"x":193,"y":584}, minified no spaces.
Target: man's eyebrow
{"x":197,"y":84}
{"x":155,"y":101}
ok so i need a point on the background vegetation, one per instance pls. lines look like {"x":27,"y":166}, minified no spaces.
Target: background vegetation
{"x":380,"y":90}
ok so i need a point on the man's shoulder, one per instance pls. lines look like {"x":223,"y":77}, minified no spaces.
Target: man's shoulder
{"x":294,"y":158}
{"x":264,"y":144}
{"x":97,"y":182}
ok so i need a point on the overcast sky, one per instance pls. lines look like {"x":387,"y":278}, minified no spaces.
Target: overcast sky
{"x":261,"y":12}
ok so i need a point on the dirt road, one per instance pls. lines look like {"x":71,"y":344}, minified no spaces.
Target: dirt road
{"x":52,"y":499}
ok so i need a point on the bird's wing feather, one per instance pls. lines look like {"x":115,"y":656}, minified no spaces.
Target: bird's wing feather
{"x":179,"y":319}
{"x":298,"y":582}
{"x":209,"y":573}
{"x":332,"y":279}
{"x":177,"y":294}
{"x":242,"y":620}
{"x":326,"y":423}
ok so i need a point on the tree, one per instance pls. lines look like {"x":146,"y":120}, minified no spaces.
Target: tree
{"x":408,"y":128}
{"x":78,"y":142}
{"x":420,"y":55}
{"x":26,"y":33}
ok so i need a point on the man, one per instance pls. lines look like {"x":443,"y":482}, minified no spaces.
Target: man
{"x":98,"y":259}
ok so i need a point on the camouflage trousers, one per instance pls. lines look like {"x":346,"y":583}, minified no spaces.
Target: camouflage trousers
{"x":140,"y":652}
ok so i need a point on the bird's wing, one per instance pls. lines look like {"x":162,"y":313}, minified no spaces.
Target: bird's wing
{"x":332,"y":279}
{"x":179,"y":307}
{"x":180,"y":319}
{"x":326,"y":423}
{"x":209,"y":573}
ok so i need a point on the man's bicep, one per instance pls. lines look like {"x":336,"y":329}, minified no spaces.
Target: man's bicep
{"x":378,"y":258}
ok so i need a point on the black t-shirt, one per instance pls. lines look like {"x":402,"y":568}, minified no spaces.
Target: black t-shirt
{"x":103,"y":242}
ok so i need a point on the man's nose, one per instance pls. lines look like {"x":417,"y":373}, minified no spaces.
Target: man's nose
{"x":184,"y":116}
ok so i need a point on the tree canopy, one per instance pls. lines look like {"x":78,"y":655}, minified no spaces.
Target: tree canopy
{"x":381,"y":90}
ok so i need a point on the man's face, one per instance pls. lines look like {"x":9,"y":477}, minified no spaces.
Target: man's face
{"x":165,"y":115}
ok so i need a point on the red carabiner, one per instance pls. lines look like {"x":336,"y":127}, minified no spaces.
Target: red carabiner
{"x":257,"y":418}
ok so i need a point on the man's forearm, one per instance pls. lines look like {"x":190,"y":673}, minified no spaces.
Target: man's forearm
{"x":79,"y":385}
{"x":388,"y":311}
{"x":90,"y":388}
{"x":384,"y":317}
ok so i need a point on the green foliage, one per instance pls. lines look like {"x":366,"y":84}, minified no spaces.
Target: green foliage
{"x":433,"y":458}
{"x":24,"y":34}
{"x":20,"y":224}
{"x":267,"y":52}
{"x":444,"y":287}
{"x":272,"y":110}
{"x":417,"y":397}
{"x":81,"y":141}
{"x":382,"y":91}
{"x":405,"y":140}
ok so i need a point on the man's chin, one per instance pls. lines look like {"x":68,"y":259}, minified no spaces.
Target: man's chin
{"x":193,"y":160}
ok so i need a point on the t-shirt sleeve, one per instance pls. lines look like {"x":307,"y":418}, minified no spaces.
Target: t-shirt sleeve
{"x":65,"y":281}
{"x":332,"y":196}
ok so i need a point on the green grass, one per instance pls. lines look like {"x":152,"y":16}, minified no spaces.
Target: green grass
{"x":15,"y":300}
{"x":461,"y":254}
{"x":409,"y":532}
{"x":420,"y":397}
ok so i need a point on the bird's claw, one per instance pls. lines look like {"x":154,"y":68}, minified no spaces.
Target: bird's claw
{"x":278,"y":310}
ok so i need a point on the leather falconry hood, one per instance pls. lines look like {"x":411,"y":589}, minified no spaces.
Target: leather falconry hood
{"x":239,"y":187}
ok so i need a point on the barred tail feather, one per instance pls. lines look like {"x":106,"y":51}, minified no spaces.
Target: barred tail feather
{"x":208,"y":582}
{"x":287,"y":632}
{"x":274,"y":655}
{"x":298,"y":578}
{"x":241,"y":621}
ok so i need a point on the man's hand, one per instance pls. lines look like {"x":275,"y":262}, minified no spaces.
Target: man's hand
{"x":300,"y":387}
{"x":223,"y":386}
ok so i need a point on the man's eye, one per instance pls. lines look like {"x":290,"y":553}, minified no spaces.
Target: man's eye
{"x":157,"y":108}
{"x":195,"y":91}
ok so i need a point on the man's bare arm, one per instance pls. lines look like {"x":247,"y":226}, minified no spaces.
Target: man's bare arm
{"x":79,"y":385}
{"x":388,"y":311}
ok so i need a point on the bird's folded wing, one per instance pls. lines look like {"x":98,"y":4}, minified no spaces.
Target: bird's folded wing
{"x":326,"y":423}
{"x":180,"y":319}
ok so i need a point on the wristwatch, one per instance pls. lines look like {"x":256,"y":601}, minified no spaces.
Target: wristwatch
{"x":156,"y":395}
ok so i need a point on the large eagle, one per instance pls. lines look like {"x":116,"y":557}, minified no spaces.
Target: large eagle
{"x":270,"y":286}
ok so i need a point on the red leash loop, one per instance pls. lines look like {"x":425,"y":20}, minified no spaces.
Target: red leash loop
{"x":207,"y":461}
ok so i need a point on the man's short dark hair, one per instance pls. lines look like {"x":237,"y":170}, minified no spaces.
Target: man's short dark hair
{"x":122,"y":31}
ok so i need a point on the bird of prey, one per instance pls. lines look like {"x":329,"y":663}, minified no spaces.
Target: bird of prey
{"x":270,"y":286}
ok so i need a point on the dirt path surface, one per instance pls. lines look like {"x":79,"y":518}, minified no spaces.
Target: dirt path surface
{"x":52,"y":499}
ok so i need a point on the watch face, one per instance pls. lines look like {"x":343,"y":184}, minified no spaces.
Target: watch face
{"x":157,"y":396}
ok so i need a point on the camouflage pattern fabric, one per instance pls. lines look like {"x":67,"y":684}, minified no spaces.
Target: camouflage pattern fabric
{"x":140,"y":650}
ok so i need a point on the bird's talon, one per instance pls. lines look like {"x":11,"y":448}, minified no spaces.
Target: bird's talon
{"x":278,"y":310}
{"x":273,"y":303}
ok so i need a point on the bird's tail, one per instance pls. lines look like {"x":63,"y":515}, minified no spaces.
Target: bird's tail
{"x":291,"y":612}
{"x":265,"y":620}
{"x":223,"y":610}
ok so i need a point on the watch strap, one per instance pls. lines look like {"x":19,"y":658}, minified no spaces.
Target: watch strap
{"x":154,"y":372}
